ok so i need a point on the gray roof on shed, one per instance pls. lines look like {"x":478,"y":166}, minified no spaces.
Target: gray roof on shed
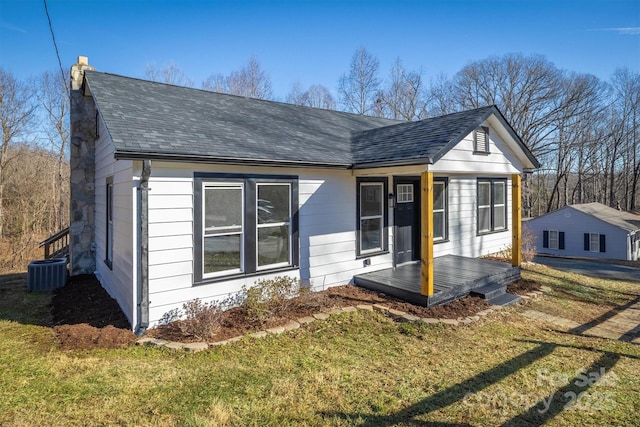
{"x":625,"y":220}
{"x":158,"y":121}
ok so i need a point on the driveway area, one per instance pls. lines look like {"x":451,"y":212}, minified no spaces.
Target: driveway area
{"x":593,"y":268}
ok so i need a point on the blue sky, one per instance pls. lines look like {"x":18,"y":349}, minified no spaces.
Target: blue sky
{"x":312,"y":42}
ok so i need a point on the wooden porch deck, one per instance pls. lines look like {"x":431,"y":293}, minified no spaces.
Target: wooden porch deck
{"x":454,"y":278}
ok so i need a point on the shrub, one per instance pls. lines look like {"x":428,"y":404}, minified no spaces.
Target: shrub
{"x":270,"y":298}
{"x":529,"y":249}
{"x":196,"y":319}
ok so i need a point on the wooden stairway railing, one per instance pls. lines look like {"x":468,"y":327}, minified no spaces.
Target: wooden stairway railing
{"x":57,"y":246}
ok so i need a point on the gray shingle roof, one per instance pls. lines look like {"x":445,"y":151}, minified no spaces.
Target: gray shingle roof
{"x":154,"y":120}
{"x":625,"y":220}
{"x":424,"y":141}
{"x":146,"y":118}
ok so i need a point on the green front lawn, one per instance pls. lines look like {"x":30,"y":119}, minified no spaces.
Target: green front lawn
{"x":354,"y":369}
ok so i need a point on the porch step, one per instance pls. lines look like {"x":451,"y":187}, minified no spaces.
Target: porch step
{"x":504,"y":299}
{"x":490,"y":291}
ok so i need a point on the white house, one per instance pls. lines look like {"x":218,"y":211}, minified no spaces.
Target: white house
{"x":590,"y":230}
{"x":179,"y":193}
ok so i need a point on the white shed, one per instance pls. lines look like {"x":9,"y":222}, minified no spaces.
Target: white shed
{"x":590,"y":230}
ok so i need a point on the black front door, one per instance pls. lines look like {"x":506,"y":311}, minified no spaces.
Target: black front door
{"x":407,"y":219}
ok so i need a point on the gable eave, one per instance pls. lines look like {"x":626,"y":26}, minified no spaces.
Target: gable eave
{"x":495,"y":112}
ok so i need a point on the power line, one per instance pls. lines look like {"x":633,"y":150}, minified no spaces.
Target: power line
{"x":53,"y":37}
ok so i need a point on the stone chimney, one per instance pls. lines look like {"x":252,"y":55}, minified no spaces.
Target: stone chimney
{"x":77,"y":72}
{"x":83,"y":135}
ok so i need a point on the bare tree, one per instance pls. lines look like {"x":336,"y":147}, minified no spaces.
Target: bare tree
{"x":250,"y":81}
{"x":525,"y":88}
{"x":216,"y":83}
{"x":317,"y":96}
{"x":16,"y":114}
{"x":296,"y":94}
{"x":54,"y":99}
{"x":625,"y":116}
{"x":404,"y":97}
{"x":170,"y":74}
{"x":358,"y":89}
{"x":440,"y":100}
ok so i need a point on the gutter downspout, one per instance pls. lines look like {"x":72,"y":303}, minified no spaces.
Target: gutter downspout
{"x":143,"y":305}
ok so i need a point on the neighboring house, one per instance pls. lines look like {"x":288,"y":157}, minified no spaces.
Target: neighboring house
{"x":588,"y":230}
{"x":180,"y":193}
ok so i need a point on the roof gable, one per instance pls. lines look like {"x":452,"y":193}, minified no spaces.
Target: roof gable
{"x":620,"y":219}
{"x":625,"y":220}
{"x":427,"y":141}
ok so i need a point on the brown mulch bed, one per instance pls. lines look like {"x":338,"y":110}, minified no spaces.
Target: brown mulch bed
{"x":86,"y":317}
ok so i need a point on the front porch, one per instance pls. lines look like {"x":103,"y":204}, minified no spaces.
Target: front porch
{"x":453,"y":277}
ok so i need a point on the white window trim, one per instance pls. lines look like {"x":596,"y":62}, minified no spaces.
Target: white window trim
{"x":597,"y":243}
{"x":206,"y":234}
{"x":488,"y":207}
{"x":492,"y":182}
{"x":502,"y":205}
{"x":443,"y":210}
{"x":557,"y":240}
{"x":405,"y":193}
{"x":108,"y":257}
{"x":380,"y":248}
{"x":273,"y":225}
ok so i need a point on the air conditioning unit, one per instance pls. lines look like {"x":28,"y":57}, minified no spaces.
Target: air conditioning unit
{"x":47,"y":274}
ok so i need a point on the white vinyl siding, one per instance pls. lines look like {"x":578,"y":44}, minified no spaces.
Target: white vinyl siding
{"x":575,"y":225}
{"x":463,"y":238}
{"x":500,"y":160}
{"x":115,"y":239}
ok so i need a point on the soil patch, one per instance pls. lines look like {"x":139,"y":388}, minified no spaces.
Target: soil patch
{"x":523,"y":286}
{"x":85,"y":316}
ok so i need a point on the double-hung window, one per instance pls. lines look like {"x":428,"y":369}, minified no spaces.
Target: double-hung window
{"x":108,"y":257}
{"x":244,"y":224}
{"x":223,"y":233}
{"x":492,"y":205}
{"x":439,"y":210}
{"x":273,"y":225}
{"x":553,"y":239}
{"x":595,"y":242}
{"x":372,"y":218}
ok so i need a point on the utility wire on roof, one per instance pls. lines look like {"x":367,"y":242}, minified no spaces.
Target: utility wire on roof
{"x":53,"y":37}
